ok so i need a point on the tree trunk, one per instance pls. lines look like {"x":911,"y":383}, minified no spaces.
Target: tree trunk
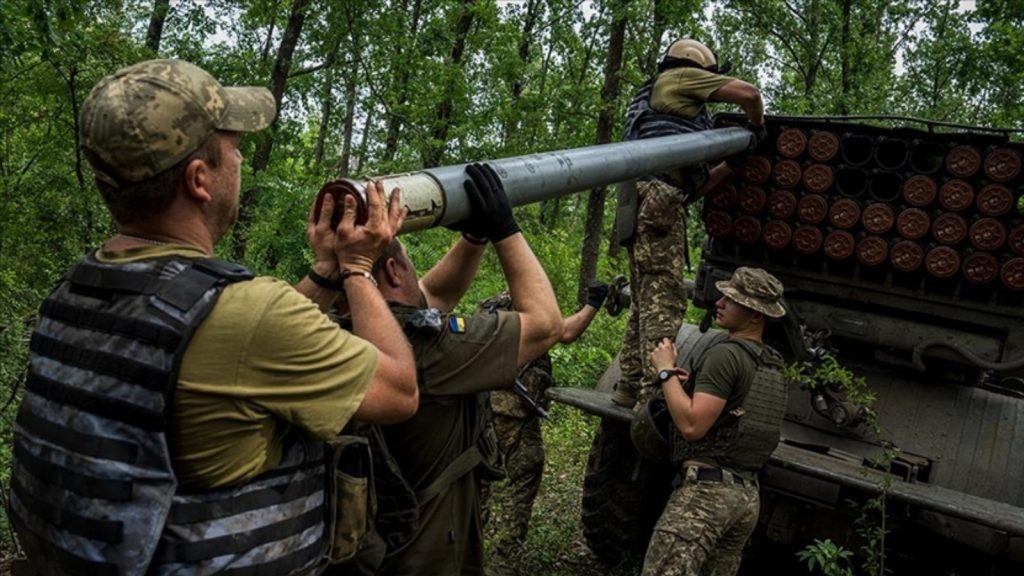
{"x":401,"y":89}
{"x":444,"y":110}
{"x":327,"y":110}
{"x":261,"y":158}
{"x":350,"y":112}
{"x":605,"y":122}
{"x":845,"y":54}
{"x":156,"y":25}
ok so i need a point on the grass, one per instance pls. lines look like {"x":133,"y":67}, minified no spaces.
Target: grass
{"x":555,"y":545}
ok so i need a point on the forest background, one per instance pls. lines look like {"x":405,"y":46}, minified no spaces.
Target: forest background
{"x":372,"y":87}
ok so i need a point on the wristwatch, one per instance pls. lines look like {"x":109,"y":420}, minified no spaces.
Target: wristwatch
{"x":664,"y":375}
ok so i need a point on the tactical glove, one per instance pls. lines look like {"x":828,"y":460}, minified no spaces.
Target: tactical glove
{"x":597,"y":292}
{"x":490,"y":211}
{"x":760,"y":133}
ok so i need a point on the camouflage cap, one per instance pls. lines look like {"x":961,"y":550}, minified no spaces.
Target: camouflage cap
{"x":147,"y":117}
{"x":500,"y":301}
{"x":756,"y":289}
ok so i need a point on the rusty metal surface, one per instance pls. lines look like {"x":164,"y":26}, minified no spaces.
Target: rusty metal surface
{"x":949,"y":228}
{"x":995,"y":200}
{"x":781,"y":204}
{"x":807,"y":240}
{"x":777,"y":234}
{"x":919,"y":190}
{"x":906,"y":256}
{"x":878,"y":218}
{"x":812,"y":208}
{"x":987,"y":234}
{"x":942,"y":262}
{"x":956,"y":195}
{"x":963,"y":161}
{"x":757,"y":169}
{"x":913,"y":223}
{"x":1012,"y":274}
{"x":752,"y":200}
{"x":791,"y":142}
{"x":839,"y":244}
{"x":980,"y":268}
{"x":1002,"y":164}
{"x":844,"y":213}
{"x":747,"y":229}
{"x":817,"y":178}
{"x":724,"y":196}
{"x":823,"y":145}
{"x":718,"y":224}
{"x":787,"y":173}
{"x":872,"y":251}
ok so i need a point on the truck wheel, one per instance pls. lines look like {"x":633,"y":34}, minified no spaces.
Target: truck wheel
{"x":623,"y":494}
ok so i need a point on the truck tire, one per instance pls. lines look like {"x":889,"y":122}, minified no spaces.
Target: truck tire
{"x":623,"y":494}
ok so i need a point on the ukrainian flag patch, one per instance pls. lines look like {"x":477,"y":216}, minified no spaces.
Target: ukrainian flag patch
{"x":457,"y":324}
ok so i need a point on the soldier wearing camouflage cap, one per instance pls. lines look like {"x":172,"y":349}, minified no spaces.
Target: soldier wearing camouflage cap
{"x":168,"y":387}
{"x":727,"y":410}
{"x":652,"y":210}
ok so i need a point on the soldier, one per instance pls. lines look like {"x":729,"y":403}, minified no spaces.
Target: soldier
{"x":517,"y":424}
{"x":725,"y":430}
{"x":672,"y":102}
{"x":443,"y":452}
{"x":166,"y":387}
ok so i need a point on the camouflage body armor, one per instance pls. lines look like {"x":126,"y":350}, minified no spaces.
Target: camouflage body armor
{"x":93,"y":490}
{"x":744,"y":441}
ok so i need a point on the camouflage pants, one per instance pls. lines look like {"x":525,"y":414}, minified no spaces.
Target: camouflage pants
{"x":703,"y":529}
{"x":523,"y":448}
{"x":656,"y":260}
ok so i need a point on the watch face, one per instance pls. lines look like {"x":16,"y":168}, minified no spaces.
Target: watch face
{"x":664,"y":375}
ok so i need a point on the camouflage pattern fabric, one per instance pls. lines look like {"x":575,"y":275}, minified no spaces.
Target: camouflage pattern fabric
{"x":523,"y":448}
{"x":145,"y":118}
{"x":536,"y":378}
{"x":703,"y":528}
{"x":656,"y":259}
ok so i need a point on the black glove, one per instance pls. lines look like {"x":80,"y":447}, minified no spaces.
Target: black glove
{"x":490,"y":211}
{"x":597,"y":292}
{"x":760,"y":133}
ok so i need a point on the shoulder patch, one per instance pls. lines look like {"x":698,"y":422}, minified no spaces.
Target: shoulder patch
{"x":457,"y":324}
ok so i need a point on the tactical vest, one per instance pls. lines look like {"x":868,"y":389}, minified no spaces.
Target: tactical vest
{"x":747,"y":440}
{"x":643,"y":122}
{"x":93,"y":490}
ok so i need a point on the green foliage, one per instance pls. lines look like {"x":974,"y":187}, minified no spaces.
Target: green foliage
{"x":830,"y":558}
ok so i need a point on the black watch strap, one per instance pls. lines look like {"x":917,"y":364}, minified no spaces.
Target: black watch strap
{"x":664,"y":375}
{"x":324,"y":282}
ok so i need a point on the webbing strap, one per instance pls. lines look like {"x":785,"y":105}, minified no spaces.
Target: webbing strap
{"x":68,"y":563}
{"x":109,"y":531}
{"x":147,"y":332}
{"x":98,"y":404}
{"x":237,"y":543}
{"x":458,"y":468}
{"x":78,"y":442}
{"x":120,"y":367}
{"x":109,"y":278}
{"x":192,"y":512}
{"x":81,"y":484}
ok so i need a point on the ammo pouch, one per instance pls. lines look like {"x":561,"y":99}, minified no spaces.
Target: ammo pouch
{"x":354,"y":500}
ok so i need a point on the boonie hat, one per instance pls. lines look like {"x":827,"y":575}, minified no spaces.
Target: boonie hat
{"x":756,"y":289}
{"x":147,"y":117}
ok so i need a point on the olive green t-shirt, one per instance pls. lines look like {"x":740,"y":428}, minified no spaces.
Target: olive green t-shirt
{"x":470,"y":354}
{"x":726,"y":371}
{"x":683,"y":91}
{"x":265,"y":360}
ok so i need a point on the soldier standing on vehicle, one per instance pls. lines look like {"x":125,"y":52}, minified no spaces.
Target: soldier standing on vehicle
{"x":165,"y":386}
{"x":517,"y":423}
{"x":726,"y":428}
{"x":651,"y":217}
{"x":447,"y":448}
